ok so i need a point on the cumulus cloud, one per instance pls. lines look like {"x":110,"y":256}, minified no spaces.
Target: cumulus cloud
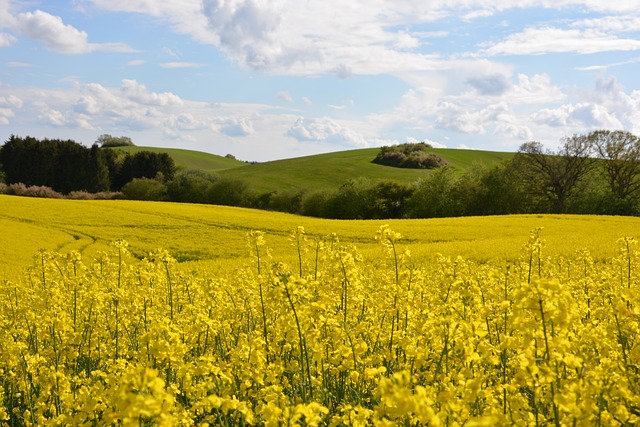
{"x":607,"y":106}
{"x":58,"y":36}
{"x":246,"y":28}
{"x":585,"y":115}
{"x":234,"y":126}
{"x":138,"y":92}
{"x":7,"y":106}
{"x":325,"y":130}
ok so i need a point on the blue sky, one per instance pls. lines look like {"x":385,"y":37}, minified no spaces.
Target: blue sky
{"x":270,"y":79}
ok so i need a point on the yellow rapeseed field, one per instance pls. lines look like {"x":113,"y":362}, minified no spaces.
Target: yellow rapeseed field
{"x":268,"y":323}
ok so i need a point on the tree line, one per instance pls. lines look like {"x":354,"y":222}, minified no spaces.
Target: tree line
{"x":595,"y":173}
{"x":66,"y":166}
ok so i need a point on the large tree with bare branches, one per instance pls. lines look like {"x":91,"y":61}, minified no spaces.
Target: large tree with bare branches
{"x":556,"y":175}
{"x":620,"y":152}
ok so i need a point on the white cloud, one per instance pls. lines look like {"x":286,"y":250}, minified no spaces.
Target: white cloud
{"x":5,"y":115}
{"x":284,"y":96}
{"x":138,"y":92}
{"x":536,"y":89}
{"x":326,"y":130}
{"x":514,"y":130}
{"x":585,"y":115}
{"x":136,"y":62}
{"x":544,"y":40}
{"x":6,"y":39}
{"x":11,"y":101}
{"x":234,"y":126}
{"x":179,"y":64}
{"x":7,"y":106}
{"x":60,"y":37}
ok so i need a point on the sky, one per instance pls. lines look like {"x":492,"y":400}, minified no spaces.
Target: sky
{"x":273,"y":79}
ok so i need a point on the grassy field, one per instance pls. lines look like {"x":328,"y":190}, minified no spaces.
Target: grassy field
{"x":216,"y":235}
{"x":329,"y":171}
{"x":189,"y":159}
{"x":322,"y":171}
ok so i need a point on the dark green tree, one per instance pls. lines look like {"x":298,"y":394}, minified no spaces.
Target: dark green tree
{"x":190,"y":186}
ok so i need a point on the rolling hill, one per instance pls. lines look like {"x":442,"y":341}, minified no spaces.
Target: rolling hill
{"x":189,"y":159}
{"x":321,"y":171}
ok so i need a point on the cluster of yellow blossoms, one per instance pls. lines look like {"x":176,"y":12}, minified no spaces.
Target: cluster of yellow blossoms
{"x":330,"y":340}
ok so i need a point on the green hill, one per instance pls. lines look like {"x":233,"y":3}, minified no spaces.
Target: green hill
{"x":189,"y":159}
{"x":320,"y":171}
{"x":333,"y":169}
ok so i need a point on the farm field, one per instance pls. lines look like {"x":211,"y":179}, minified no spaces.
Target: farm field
{"x":273,"y":319}
{"x":216,"y":234}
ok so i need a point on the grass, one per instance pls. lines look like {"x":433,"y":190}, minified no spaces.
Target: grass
{"x":216,"y":236}
{"x":318,"y":172}
{"x":189,"y":159}
{"x":329,"y":171}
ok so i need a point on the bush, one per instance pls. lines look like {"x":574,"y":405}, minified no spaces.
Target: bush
{"x":286,"y":201}
{"x":145,"y":189}
{"x":229,"y":192}
{"x":316,"y":204}
{"x":102,"y":195}
{"x":190,"y":186}
{"x":412,"y":156}
{"x":19,"y":189}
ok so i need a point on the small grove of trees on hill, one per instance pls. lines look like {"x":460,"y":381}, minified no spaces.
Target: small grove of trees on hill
{"x":409,"y":155}
{"x":108,"y":141}
{"x":66,"y":166}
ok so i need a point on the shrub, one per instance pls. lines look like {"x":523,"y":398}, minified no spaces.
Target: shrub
{"x":286,"y":201}
{"x":19,"y":189}
{"x":102,"y":195}
{"x":145,"y":189}
{"x":409,"y":156}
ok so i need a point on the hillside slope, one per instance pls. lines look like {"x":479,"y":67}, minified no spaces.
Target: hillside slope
{"x":189,"y":159}
{"x":320,"y":171}
{"x":333,"y":169}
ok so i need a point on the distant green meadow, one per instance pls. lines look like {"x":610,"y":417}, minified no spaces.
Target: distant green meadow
{"x":321,"y":171}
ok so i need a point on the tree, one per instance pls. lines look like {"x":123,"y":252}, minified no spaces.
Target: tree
{"x":409,"y":155}
{"x":229,"y":192}
{"x":144,"y":164}
{"x":556,"y":175}
{"x":621,"y":154}
{"x":190,"y":186}
{"x":434,"y":196}
{"x":106,"y":140}
{"x":64,"y":166}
